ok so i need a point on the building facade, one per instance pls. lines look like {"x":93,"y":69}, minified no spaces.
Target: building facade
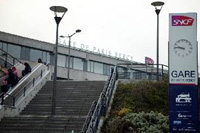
{"x":84,"y":65}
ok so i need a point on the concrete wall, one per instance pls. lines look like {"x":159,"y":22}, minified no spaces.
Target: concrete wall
{"x":78,"y":74}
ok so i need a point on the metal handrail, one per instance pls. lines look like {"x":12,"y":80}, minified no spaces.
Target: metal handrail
{"x":2,"y":98}
{"x":20,"y":89}
{"x":102,"y":104}
{"x":89,"y":117}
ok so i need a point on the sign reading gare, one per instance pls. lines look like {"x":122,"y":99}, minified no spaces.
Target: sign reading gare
{"x":183,"y":74}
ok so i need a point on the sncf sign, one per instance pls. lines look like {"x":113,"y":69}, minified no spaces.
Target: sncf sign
{"x":182,"y":21}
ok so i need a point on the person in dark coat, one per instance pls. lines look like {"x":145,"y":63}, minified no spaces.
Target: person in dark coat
{"x":12,"y":79}
{"x":4,"y":85}
{"x":27,"y":69}
{"x":39,"y":60}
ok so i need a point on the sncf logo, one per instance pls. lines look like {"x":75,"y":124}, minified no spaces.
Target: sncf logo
{"x":182,"y":21}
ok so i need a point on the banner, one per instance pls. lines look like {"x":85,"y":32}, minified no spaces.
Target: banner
{"x":183,"y":72}
{"x":148,"y":60}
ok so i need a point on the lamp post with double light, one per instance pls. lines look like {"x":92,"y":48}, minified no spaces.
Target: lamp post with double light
{"x":69,"y":47}
{"x":58,"y":10}
{"x":158,"y":6}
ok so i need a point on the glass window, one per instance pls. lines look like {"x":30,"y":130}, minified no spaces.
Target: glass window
{"x":78,"y":64}
{"x":61,"y":60}
{"x":71,"y":62}
{"x":45,"y":57}
{"x":121,"y":69}
{"x":106,"y":69}
{"x":5,"y":47}
{"x":84,"y":64}
{"x":25,"y":53}
{"x":98,"y":67}
{"x":90,"y":66}
{"x":35,"y":54}
{"x":1,"y":44}
{"x":48,"y":57}
{"x":14,"y":50}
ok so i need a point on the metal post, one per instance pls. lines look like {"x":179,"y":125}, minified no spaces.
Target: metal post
{"x":69,"y":48}
{"x":56,"y":9}
{"x":69,"y":57}
{"x":55,"y":73}
{"x":13,"y":101}
{"x":162,"y":72}
{"x":157,"y":76}
{"x":158,"y":6}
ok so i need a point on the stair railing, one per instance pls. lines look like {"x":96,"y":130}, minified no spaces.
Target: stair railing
{"x":19,"y":91}
{"x":8,"y":59}
{"x":92,"y":121}
{"x":89,"y":117}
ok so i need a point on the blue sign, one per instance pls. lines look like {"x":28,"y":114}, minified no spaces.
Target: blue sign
{"x":184,"y":108}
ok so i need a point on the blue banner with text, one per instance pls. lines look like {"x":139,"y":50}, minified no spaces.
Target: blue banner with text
{"x":184,"y":114}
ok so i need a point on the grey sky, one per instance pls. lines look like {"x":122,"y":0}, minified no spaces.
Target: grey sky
{"x":123,"y":26}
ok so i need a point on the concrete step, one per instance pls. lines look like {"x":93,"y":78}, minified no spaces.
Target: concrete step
{"x":73,"y":101}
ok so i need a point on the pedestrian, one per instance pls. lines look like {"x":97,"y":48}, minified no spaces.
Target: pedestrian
{"x":27,"y":69}
{"x":15,"y":72}
{"x":39,"y":60}
{"x":4,"y":84}
{"x":12,"y":79}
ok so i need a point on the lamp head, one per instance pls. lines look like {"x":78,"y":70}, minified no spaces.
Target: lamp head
{"x":78,"y":30}
{"x":157,"y":3}
{"x":158,"y":6}
{"x":62,"y":36}
{"x":58,"y":10}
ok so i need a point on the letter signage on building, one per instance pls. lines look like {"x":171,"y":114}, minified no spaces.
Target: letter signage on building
{"x":183,"y":72}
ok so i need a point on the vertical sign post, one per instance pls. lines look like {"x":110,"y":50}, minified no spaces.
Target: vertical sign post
{"x":183,"y":73}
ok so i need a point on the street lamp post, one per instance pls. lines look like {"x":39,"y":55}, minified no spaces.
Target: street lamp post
{"x":69,"y":47}
{"x":57,"y":10}
{"x":158,"y":6}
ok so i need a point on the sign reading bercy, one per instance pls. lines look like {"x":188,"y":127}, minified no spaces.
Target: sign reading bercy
{"x":183,"y":48}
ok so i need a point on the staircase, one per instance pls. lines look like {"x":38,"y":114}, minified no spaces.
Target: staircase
{"x":73,"y":101}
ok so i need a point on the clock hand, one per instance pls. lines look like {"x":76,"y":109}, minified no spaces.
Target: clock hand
{"x":179,"y":47}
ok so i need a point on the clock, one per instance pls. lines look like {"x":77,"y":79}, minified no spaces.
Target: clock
{"x":183,"y":48}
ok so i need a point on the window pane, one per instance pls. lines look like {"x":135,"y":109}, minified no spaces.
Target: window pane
{"x":5,"y":47}
{"x":1,"y":44}
{"x":106,"y":69}
{"x":61,"y":60}
{"x":71,"y":62}
{"x":121,"y":69}
{"x":44,"y":57}
{"x":89,"y":66}
{"x":78,"y":64}
{"x":48,"y":57}
{"x":35,"y":54}
{"x":25,"y":54}
{"x":14,"y":50}
{"x":98,"y":67}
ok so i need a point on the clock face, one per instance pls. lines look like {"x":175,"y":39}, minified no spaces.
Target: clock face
{"x":183,"y":48}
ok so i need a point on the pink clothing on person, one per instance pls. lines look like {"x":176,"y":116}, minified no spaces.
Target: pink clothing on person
{"x":15,"y":71}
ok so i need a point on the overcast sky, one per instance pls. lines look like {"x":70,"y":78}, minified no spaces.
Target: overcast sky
{"x":123,"y":26}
